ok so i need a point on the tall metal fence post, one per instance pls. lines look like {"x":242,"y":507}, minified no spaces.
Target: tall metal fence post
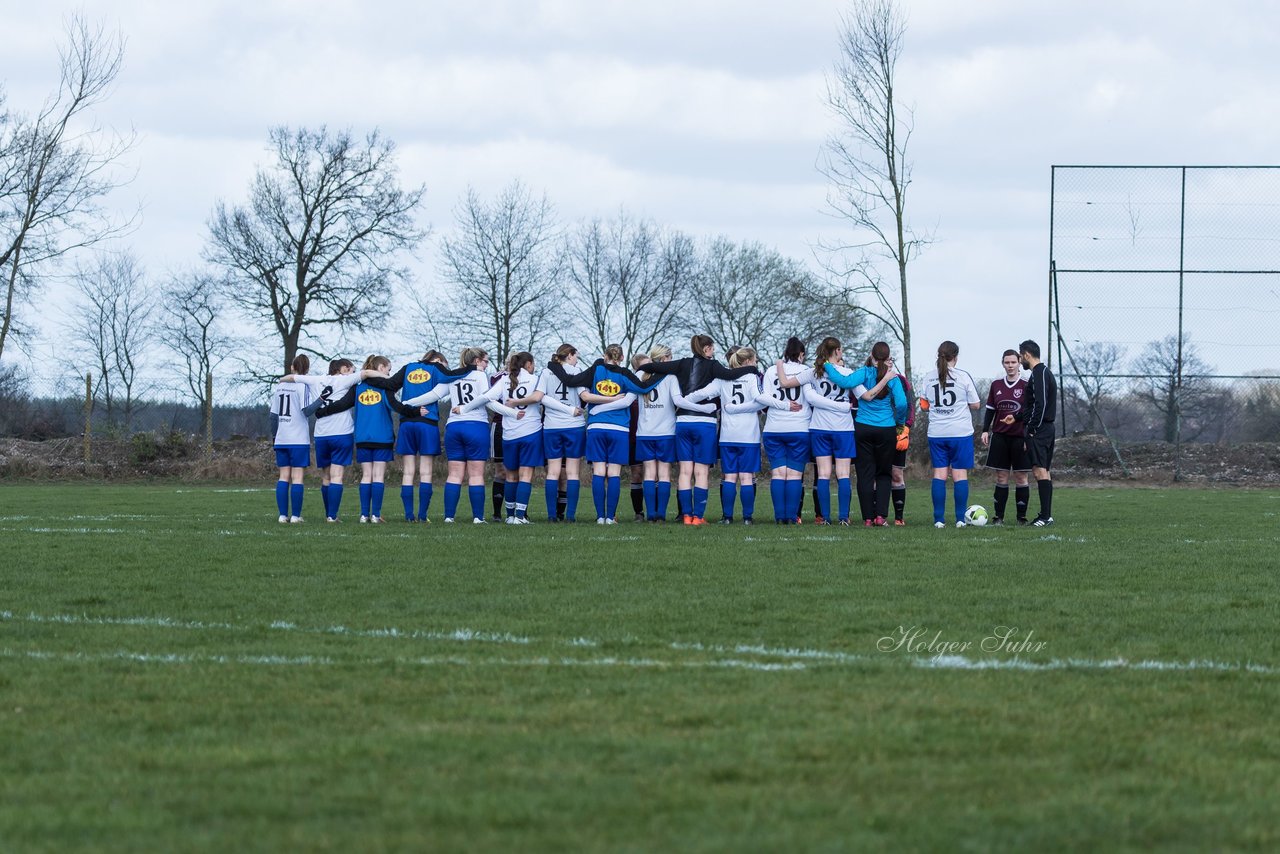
{"x":208,"y":417}
{"x":88,"y":418}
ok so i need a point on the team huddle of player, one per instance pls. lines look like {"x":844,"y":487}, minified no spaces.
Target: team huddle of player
{"x":694,"y":412}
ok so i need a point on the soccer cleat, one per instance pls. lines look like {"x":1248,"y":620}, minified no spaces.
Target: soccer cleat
{"x":960,"y":523}
{"x":600,"y":521}
{"x":448,"y":520}
{"x":727,"y":520}
{"x":1042,"y":522}
{"x":748,"y":521}
{"x":611,"y":521}
{"x":424,"y":520}
{"x":364,"y":520}
{"x":1022,"y":520}
{"x":639,"y":518}
{"x":688,"y":520}
{"x":879,"y":522}
{"x":939,"y":524}
{"x":996,"y":520}
{"x":867,"y":523}
{"x":899,"y":523}
{"x":698,"y":520}
{"x":798,"y":521}
{"x":377,"y":520}
{"x":330,"y":519}
{"x":844,"y":523}
{"x":295,"y":520}
{"x":819,"y":520}
{"x":512,"y":520}
{"x":523,"y":520}
{"x":479,"y":521}
{"x":283,"y":520}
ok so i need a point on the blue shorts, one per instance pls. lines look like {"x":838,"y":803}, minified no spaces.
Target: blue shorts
{"x":374,"y":455}
{"x":607,"y":446}
{"x":334,"y":450}
{"x":739,"y":459}
{"x":418,"y":438}
{"x":787,"y":450}
{"x":696,"y":441}
{"x":660,"y":448}
{"x":954,"y":452}
{"x":523,"y":452}
{"x":293,"y":456}
{"x":564,"y":442}
{"x":466,"y":441}
{"x":833,"y":443}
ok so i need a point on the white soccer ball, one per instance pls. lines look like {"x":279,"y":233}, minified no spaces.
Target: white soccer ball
{"x":976,"y":515}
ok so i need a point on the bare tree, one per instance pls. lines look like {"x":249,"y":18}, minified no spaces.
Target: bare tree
{"x":1174,"y":385}
{"x":316,"y":246}
{"x":56,"y":169}
{"x":501,"y":264}
{"x":110,"y":329}
{"x":1091,"y":378}
{"x":868,"y":166}
{"x":627,"y":282}
{"x":192,"y":327}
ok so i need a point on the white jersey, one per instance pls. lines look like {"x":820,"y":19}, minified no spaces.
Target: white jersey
{"x":830,"y":405}
{"x":459,"y":392}
{"x":949,"y":413}
{"x":287,"y":402}
{"x":784,"y":420}
{"x":332,"y":388}
{"x":559,"y":401}
{"x":495,"y":399}
{"x":740,"y":403}
{"x":658,"y":409}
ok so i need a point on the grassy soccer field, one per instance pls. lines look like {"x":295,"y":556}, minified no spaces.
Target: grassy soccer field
{"x":178,"y":671}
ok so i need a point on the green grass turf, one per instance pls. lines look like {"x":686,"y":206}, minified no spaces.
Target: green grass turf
{"x":180,"y":672}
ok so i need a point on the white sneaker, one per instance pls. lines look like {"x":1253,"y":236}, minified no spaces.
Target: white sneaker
{"x":600,"y":521}
{"x":960,"y":523}
{"x":479,"y":522}
{"x":283,"y":520}
{"x":939,"y":524}
{"x":448,"y":520}
{"x":377,"y":520}
{"x":330,"y":519}
{"x":611,"y":521}
{"x":512,"y":520}
{"x":523,"y":520}
{"x":364,"y":520}
{"x":295,"y":520}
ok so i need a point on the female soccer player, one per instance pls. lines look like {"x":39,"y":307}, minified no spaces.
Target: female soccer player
{"x":951,"y":398}
{"x":1006,"y":447}
{"x":517,"y":400}
{"x":564,"y":434}
{"x":786,"y":433}
{"x":292,"y":438}
{"x":899,"y":488}
{"x":375,"y":438}
{"x":656,"y":437}
{"x":607,"y":421}
{"x":419,"y":440}
{"x":740,"y":403}
{"x":466,"y":437}
{"x":831,"y":432}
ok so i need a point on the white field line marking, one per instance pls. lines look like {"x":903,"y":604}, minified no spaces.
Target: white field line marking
{"x":788,"y":654}
{"x":436,"y":661}
{"x":460,"y":635}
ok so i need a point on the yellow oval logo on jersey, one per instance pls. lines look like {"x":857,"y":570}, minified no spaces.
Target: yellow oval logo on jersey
{"x":419,"y":375}
{"x":369,"y":397}
{"x":608,"y":388}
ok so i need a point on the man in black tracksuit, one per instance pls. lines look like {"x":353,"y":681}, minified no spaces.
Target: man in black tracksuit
{"x":1037,"y":414}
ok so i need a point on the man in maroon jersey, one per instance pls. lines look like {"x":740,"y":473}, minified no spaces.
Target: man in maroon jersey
{"x":1007,"y":450}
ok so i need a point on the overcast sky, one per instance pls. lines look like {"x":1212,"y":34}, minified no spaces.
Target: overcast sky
{"x":705,"y":115}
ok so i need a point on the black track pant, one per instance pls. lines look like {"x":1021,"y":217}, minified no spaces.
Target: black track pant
{"x":874,"y":465}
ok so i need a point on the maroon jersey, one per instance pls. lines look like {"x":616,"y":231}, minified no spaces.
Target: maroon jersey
{"x":1004,"y":399}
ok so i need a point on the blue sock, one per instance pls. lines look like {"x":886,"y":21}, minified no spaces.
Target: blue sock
{"x":778,"y":493}
{"x":728,"y":495}
{"x":406,"y":498}
{"x":571,"y":494}
{"x":553,"y":497}
{"x":845,"y":490}
{"x":476,"y":494}
{"x":795,"y":494}
{"x":823,"y":486}
{"x":324,"y":498}
{"x":699,"y":502}
{"x":425,"y":491}
{"x":282,"y":497}
{"x":295,"y":498}
{"x":335,"y":499}
{"x":452,"y":493}
{"x":366,"y":494}
{"x":650,"y":499}
{"x":960,"y":489}
{"x":684,"y":498}
{"x":597,"y":494}
{"x":748,"y":500}
{"x":939,"y":492}
{"x":523,"y":492}
{"x":378,"y":490}
{"x":613,"y":491}
{"x":664,"y":497}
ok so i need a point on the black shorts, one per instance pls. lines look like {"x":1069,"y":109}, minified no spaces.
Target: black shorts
{"x":495,"y":441}
{"x":1040,"y":447}
{"x":1009,"y":453}
{"x":899,"y":459}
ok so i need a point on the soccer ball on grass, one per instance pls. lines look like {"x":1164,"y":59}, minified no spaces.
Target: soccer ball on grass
{"x":976,"y":515}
